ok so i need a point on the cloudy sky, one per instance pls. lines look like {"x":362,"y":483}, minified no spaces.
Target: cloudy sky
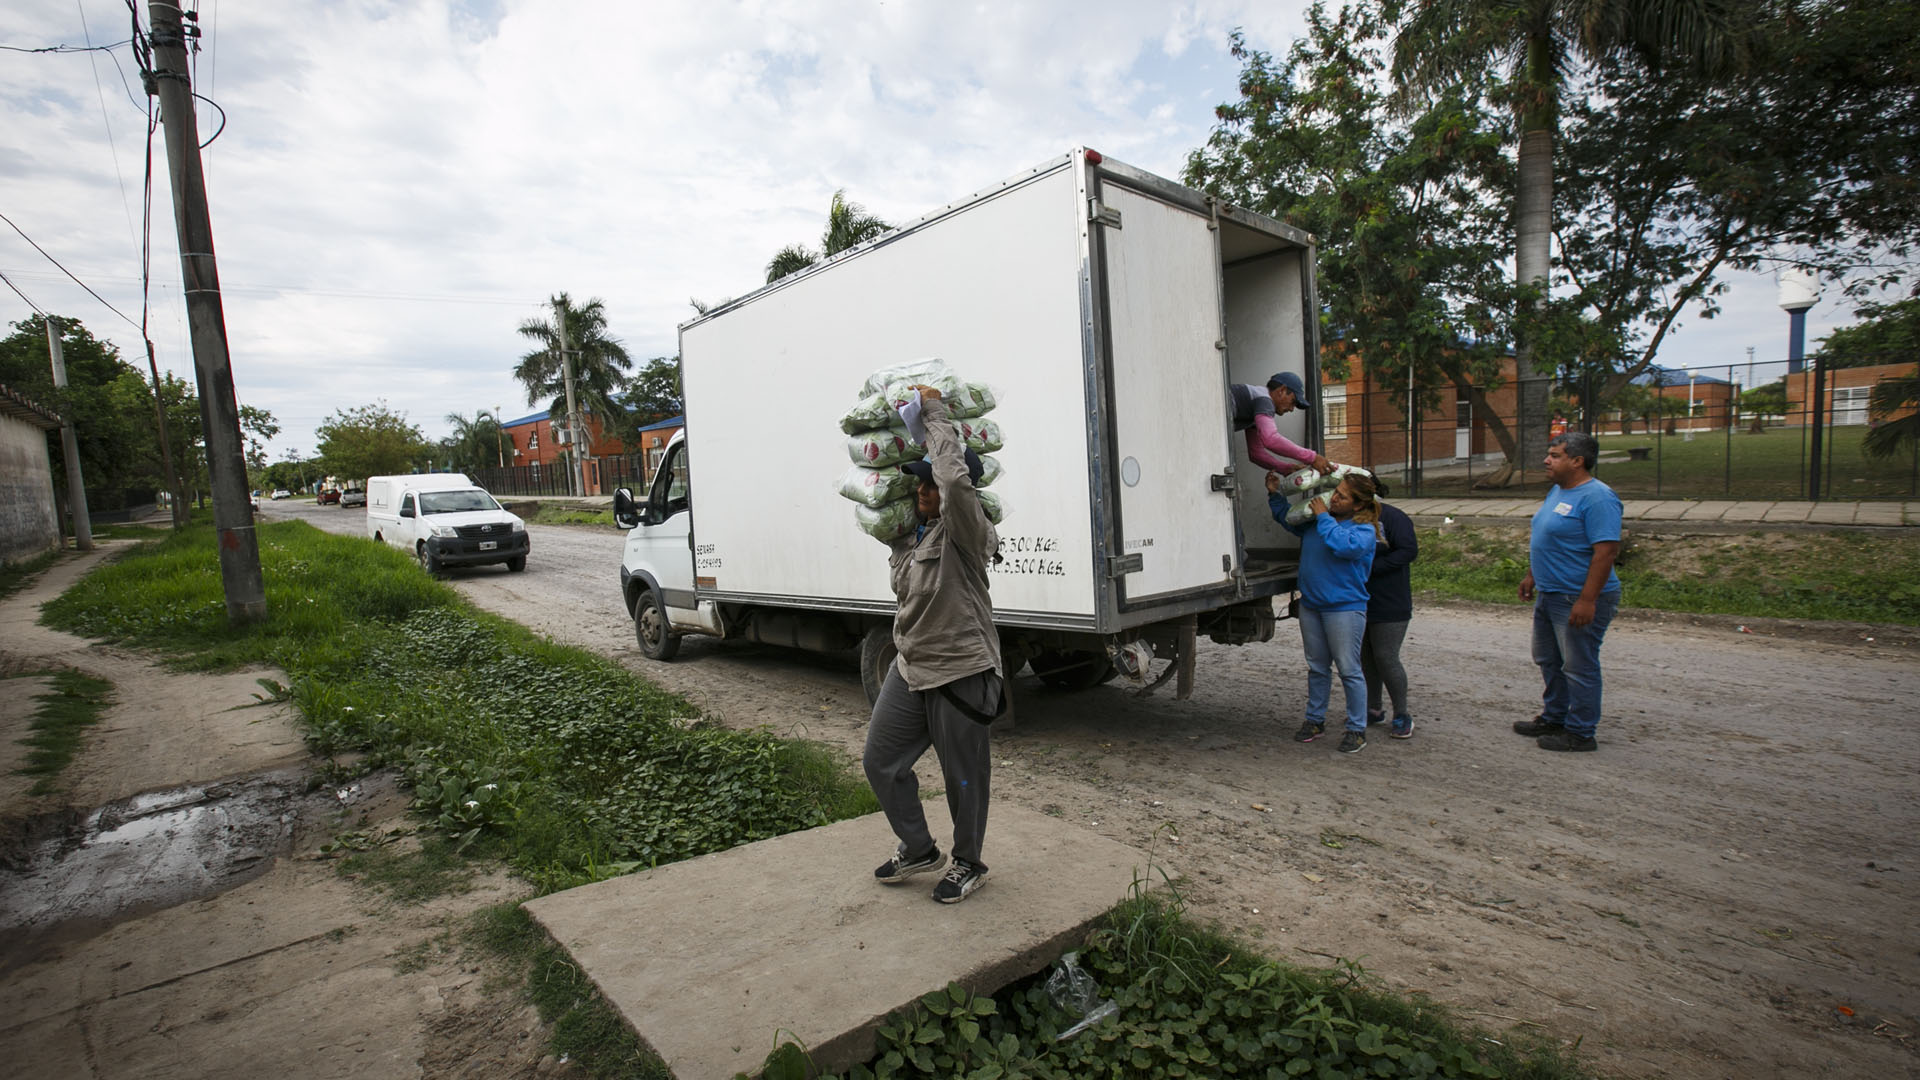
{"x":400,"y":184}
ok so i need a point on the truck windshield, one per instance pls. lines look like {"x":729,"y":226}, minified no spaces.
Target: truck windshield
{"x":452,"y":502}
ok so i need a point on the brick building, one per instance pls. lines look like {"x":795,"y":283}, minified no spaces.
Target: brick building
{"x":1364,"y":423}
{"x":1847,"y":391}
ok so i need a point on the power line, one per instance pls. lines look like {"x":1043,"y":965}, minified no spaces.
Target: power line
{"x":21,"y":295}
{"x":69,"y":273}
{"x":66,"y":48}
{"x":345,"y":294}
{"x":101,"y":92}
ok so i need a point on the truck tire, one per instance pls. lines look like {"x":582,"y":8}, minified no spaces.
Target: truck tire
{"x":517,"y":563}
{"x":877,"y":653}
{"x":651,"y":629}
{"x":1073,"y":670}
{"x":428,"y":560}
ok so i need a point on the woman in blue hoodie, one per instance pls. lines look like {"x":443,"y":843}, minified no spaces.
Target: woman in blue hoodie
{"x":1336,"y":555}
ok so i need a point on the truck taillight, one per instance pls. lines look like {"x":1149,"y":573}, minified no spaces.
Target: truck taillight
{"x":1094,"y":158}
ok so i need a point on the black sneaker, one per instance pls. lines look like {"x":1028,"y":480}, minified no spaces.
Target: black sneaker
{"x":901,"y":866}
{"x":1309,"y":731}
{"x":1376,"y":716}
{"x":961,"y":879}
{"x":1353,"y":742}
{"x":1537,"y":727}
{"x":1567,"y":740}
{"x":1402,"y":727}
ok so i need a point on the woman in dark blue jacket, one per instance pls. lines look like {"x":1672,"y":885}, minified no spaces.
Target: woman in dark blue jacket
{"x":1389,"y":609}
{"x":1336,"y":551}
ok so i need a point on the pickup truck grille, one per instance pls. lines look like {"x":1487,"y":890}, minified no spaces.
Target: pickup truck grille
{"x":483,"y":532}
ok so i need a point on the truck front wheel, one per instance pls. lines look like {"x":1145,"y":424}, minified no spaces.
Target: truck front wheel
{"x":877,"y":653}
{"x":651,"y":629}
{"x":428,"y":560}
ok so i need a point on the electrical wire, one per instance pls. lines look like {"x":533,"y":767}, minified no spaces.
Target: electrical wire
{"x":66,"y":48}
{"x":21,"y":295}
{"x":101,"y":91}
{"x":223,"y":118}
{"x":69,"y":273}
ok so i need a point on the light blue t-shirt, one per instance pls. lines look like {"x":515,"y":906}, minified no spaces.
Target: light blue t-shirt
{"x":1565,"y":529}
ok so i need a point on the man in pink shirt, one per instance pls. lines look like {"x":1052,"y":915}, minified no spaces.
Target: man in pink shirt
{"x":1255,"y":413}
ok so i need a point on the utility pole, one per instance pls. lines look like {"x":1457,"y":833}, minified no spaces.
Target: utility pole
{"x":176,"y":498}
{"x":219,"y":413}
{"x":70,"y":447}
{"x":577,"y":480}
{"x":499,"y":438}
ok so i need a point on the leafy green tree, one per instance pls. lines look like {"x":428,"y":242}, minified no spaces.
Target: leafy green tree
{"x":1888,"y":334}
{"x":474,"y":443}
{"x":653,"y":394}
{"x":1405,"y":210}
{"x":370,"y":440}
{"x":1764,"y":401}
{"x":106,"y":399}
{"x":1889,"y":436}
{"x":600,"y":361}
{"x":848,"y":226}
{"x":1537,"y":46}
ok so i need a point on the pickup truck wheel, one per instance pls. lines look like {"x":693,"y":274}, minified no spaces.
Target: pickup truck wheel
{"x":1073,"y":670}
{"x":428,"y":560}
{"x":877,"y":653}
{"x":517,"y":563}
{"x":651,"y":629}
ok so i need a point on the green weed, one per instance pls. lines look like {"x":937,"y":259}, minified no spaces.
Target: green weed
{"x":67,"y":709}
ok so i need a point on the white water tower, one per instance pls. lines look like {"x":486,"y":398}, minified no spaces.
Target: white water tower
{"x":1799,"y":290}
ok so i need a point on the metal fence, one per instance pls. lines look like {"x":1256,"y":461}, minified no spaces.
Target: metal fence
{"x":1679,"y":434}
{"x":604,"y":473}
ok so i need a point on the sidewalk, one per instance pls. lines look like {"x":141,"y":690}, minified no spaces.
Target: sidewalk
{"x":1887,"y":513}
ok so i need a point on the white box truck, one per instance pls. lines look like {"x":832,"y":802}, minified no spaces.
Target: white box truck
{"x":445,"y":519}
{"x":1110,"y":309}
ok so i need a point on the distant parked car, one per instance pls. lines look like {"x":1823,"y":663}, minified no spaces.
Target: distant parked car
{"x":353,"y":497}
{"x":256,"y":502}
{"x":328,"y":497}
{"x":282,"y":493}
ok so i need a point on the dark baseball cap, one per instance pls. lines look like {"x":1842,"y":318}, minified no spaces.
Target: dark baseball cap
{"x":924,"y":468}
{"x":1292,"y":382}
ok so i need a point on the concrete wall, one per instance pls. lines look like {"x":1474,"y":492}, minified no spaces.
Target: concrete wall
{"x":29,"y":522}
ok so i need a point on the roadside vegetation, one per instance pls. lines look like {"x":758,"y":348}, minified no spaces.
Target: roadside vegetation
{"x":74,"y":703}
{"x":1848,"y":575}
{"x":13,"y":575}
{"x":558,"y":514}
{"x":1186,"y":1001}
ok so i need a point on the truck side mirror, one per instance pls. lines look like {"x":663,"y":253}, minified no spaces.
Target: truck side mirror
{"x":406,"y":511}
{"x":625,"y":514}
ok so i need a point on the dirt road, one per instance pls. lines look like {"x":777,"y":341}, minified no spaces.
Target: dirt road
{"x":1725,"y":890}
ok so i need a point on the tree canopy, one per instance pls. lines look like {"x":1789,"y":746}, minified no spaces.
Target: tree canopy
{"x":1889,"y":333}
{"x":848,"y":226}
{"x":600,"y":361}
{"x":370,"y":440}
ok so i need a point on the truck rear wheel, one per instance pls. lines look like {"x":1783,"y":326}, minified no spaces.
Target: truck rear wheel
{"x":877,"y":653}
{"x":651,"y":629}
{"x":1073,"y":670}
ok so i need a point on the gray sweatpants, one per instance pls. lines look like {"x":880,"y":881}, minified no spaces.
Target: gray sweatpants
{"x":1380,"y":663}
{"x":904,"y":724}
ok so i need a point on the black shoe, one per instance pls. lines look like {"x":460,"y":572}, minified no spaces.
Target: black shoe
{"x":1567,"y":740}
{"x":1309,"y":731}
{"x":1537,"y":727}
{"x":961,"y":879}
{"x":901,"y":866}
{"x":1353,"y":742}
{"x":1376,"y":716}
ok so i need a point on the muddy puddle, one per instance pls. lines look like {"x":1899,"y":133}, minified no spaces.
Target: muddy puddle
{"x":143,"y":853}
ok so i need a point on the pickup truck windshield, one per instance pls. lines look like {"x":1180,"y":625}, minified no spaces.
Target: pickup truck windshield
{"x":453,"y":502}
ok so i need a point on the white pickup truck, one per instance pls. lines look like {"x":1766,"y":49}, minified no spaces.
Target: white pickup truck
{"x":444,"y":519}
{"x":1109,"y":309}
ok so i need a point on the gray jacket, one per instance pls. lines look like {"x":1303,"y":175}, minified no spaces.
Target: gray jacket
{"x":944,"y":624}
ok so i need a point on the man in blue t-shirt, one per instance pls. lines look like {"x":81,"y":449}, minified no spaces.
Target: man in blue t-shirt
{"x":1570,"y":579}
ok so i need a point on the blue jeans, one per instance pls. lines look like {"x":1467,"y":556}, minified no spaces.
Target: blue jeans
{"x":1569,"y":659}
{"x":1333,"y":637}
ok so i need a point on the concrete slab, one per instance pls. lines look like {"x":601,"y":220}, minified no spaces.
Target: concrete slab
{"x":1788,"y":512}
{"x":1831,"y":513}
{"x":707,"y":959}
{"x":1878,"y":513}
{"x":1666,"y":510}
{"x":1748,"y":511}
{"x":1707,"y":511}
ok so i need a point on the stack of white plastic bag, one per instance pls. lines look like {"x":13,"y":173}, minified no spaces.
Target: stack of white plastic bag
{"x":879,"y":442}
{"x":1307,"y":484}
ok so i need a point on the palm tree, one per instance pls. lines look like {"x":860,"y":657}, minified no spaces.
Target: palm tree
{"x":600,"y":361}
{"x":848,"y":226}
{"x":473,"y":444}
{"x":1539,"y":44}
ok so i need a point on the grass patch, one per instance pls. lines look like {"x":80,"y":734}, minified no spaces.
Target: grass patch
{"x":586,"y":1029}
{"x":559,"y":761}
{"x":73,"y":704}
{"x":1190,"y":1001}
{"x":1806,"y":576}
{"x":15,"y":575}
{"x":560,"y":514}
{"x":411,"y":875}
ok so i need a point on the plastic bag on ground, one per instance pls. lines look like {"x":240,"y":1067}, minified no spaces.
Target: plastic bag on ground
{"x":877,"y":487}
{"x":1075,"y":991}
